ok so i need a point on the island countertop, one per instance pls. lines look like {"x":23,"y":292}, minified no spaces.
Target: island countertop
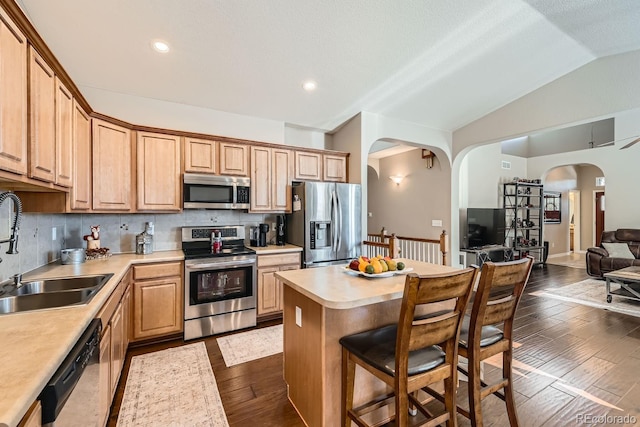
{"x":34,"y":343}
{"x":339,"y":288}
{"x":323,"y":304}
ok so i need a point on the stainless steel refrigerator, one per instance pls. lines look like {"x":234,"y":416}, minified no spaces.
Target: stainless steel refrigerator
{"x":326,"y":222}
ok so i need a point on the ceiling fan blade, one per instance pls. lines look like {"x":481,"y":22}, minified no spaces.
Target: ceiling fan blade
{"x":631,"y":143}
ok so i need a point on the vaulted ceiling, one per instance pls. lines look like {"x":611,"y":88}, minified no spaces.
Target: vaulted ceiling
{"x":439,"y":63}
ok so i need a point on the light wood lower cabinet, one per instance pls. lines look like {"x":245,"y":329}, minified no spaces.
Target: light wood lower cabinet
{"x":105,"y":374}
{"x":157,"y":300}
{"x":33,"y":417}
{"x":270,"y":288}
{"x":114,"y":315}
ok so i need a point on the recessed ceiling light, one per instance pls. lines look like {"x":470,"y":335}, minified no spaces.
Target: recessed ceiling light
{"x":160,"y":46}
{"x":309,"y":86}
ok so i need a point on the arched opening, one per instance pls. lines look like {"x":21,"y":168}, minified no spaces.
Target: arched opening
{"x":408,"y":189}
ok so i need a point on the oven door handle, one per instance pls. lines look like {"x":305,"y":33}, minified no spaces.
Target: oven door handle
{"x":218,"y":265}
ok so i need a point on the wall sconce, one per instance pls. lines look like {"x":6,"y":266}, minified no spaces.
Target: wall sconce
{"x":429,"y":156}
{"x":396,"y":178}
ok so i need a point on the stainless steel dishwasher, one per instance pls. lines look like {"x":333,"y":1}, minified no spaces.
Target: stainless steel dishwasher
{"x":71,"y":397}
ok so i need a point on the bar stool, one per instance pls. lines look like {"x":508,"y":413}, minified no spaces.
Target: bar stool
{"x":414,"y":353}
{"x":499,"y":291}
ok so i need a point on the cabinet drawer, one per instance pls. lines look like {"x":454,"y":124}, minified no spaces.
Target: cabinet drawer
{"x":153,"y":271}
{"x":279,"y":259}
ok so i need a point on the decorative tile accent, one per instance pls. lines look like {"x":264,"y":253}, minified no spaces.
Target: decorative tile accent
{"x":173,"y":387}
{"x":252,"y":345}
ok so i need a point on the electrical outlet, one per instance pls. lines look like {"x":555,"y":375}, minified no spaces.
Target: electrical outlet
{"x":299,"y":316}
{"x":54,"y":233}
{"x":273,"y":226}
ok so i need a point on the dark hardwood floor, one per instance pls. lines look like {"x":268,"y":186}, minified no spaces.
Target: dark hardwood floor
{"x":572,"y":362}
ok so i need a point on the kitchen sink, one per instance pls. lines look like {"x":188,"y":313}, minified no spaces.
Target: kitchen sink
{"x":52,"y":293}
{"x":61,"y":284}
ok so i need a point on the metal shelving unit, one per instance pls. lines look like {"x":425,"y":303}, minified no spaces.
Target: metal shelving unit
{"x":524,"y":219}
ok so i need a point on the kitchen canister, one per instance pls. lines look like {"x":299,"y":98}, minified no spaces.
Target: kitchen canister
{"x":73,"y":256}
{"x":144,"y":243}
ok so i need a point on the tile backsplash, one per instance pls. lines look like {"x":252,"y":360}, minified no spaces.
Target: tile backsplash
{"x":42,"y":236}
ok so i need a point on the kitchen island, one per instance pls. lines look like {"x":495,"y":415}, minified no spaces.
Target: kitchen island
{"x":321,"y":305}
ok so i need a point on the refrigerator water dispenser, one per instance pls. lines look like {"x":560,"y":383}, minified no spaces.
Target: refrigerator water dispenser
{"x":320,"y":235}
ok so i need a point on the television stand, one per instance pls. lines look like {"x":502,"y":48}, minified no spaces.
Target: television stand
{"x":480,"y":255}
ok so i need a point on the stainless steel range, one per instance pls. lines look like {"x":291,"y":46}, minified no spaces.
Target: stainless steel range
{"x":220,"y":288}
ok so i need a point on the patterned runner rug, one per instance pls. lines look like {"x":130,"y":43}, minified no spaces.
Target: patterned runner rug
{"x":251,"y":345}
{"x":593,"y":293}
{"x":173,"y":387}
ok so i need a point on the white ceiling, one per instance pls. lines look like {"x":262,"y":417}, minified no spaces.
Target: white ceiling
{"x":439,"y":63}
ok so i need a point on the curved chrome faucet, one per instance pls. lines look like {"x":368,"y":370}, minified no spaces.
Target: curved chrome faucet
{"x":13,"y":240}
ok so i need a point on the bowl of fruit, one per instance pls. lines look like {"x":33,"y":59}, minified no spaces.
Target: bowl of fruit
{"x":377,"y":266}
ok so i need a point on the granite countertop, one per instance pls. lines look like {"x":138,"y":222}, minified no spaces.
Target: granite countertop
{"x":336,"y":287}
{"x":34,"y":343}
{"x":274,"y":249}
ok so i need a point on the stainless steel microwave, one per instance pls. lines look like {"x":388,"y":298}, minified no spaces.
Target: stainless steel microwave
{"x":215,"y":192}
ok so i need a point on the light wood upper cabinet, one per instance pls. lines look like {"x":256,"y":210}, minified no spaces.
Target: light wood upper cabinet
{"x":271,"y":173}
{"x":64,"y":135}
{"x":158,"y":172}
{"x":308,"y":166}
{"x":13,"y":97}
{"x":282,"y":175}
{"x":260,"y":179}
{"x":334,"y":168}
{"x":200,"y":156}
{"x":80,"y":195}
{"x":42,"y":119}
{"x":112,"y":166}
{"x":234,"y":159}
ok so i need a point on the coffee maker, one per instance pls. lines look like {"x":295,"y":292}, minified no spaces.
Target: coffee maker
{"x":262,"y":234}
{"x":280,"y":230}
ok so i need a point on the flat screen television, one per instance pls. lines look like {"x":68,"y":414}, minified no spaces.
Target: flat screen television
{"x":485,"y":226}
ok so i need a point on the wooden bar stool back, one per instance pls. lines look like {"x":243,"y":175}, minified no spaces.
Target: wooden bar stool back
{"x":499,"y":291}
{"x":412,"y":354}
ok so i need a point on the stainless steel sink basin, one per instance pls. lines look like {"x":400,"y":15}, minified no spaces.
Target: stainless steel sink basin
{"x":52,"y":293}
{"x":14,"y":304}
{"x":61,"y":284}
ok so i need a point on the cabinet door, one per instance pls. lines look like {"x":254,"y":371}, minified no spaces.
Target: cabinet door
{"x":280,"y":285}
{"x":112,"y":164}
{"x":42,"y":119}
{"x":33,"y":417}
{"x":117,"y":347}
{"x":13,"y":97}
{"x":158,"y":172}
{"x":335,"y":168}
{"x":64,"y":135}
{"x":260,"y":179}
{"x":157,"y":307}
{"x":80,"y":195}
{"x":281,"y":173}
{"x":126,"y":319}
{"x":234,"y":159}
{"x":200,"y":156}
{"x":105,"y":375}
{"x":308,"y":166}
{"x":268,"y":294}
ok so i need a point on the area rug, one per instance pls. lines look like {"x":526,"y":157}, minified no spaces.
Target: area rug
{"x":573,"y":263}
{"x":173,"y":387}
{"x":251,"y":345}
{"x":593,"y":293}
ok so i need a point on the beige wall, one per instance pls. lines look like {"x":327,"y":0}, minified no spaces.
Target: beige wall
{"x":409,"y":208}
